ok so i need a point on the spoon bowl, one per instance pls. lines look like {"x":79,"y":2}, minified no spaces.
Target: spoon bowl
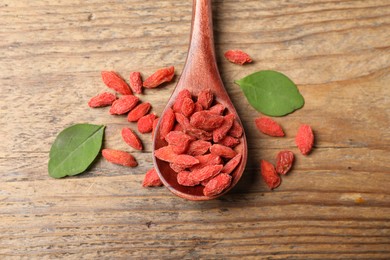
{"x":200,"y":73}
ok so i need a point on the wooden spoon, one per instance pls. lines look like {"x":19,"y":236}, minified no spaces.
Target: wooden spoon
{"x":200,"y":72}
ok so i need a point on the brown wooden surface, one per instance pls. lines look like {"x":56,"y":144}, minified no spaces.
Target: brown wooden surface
{"x":335,"y":202}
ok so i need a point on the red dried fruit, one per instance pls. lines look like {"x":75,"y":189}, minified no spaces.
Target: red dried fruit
{"x":207,"y":159}
{"x":305,"y":139}
{"x":222,"y":151}
{"x":177,"y":167}
{"x":198,"y":147}
{"x":183,"y":179}
{"x":119,"y":157}
{"x":205,"y":120}
{"x":136,"y":82}
{"x":145,"y":123}
{"x":167,"y":123}
{"x":268,"y":126}
{"x":190,"y":130}
{"x":269,"y":174}
{"x":138,"y":112}
{"x":231,"y":164}
{"x":205,"y":98}
{"x":238,"y":57}
{"x":131,"y":138}
{"x":284,"y":161}
{"x":206,"y":172}
{"x":123,"y":105}
{"x":159,"y":77}
{"x":236,"y":130}
{"x":217,"y":109}
{"x":179,"y":100}
{"x":217,"y":184}
{"x":198,"y":107}
{"x":187,"y":107}
{"x":115,"y":82}
{"x":221,"y":132}
{"x":165,"y":153}
{"x":152,"y":179}
{"x":179,"y":141}
{"x":229,"y":141}
{"x":185,"y":160}
{"x":102,"y":100}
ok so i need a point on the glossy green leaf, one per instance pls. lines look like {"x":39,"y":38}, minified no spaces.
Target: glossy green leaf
{"x":74,"y":149}
{"x":271,"y":93}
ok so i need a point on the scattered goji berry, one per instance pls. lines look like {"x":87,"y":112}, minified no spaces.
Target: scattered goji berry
{"x":206,"y":172}
{"x":221,"y":132}
{"x":119,"y":157}
{"x":145,"y":123}
{"x":206,"y":120}
{"x":198,"y":147}
{"x":179,"y":141}
{"x":139,"y":111}
{"x":167,"y":123}
{"x":136,"y":82}
{"x":123,"y":105}
{"x":187,"y":107}
{"x":205,"y":98}
{"x":152,"y":179}
{"x":238,"y":57}
{"x":115,"y":82}
{"x":236,"y":130}
{"x":184,"y":179}
{"x":268,"y":126}
{"x":269,"y":174}
{"x":284,"y":161}
{"x":217,"y":109}
{"x":179,"y":100}
{"x":217,"y":184}
{"x":229,"y":141}
{"x":231,"y":164}
{"x":305,"y":139}
{"x":222,"y":151}
{"x":131,"y":138}
{"x":159,"y":77}
{"x":102,"y":100}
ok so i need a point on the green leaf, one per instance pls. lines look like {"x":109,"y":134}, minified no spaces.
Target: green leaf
{"x":74,"y":149}
{"x":271,"y":93}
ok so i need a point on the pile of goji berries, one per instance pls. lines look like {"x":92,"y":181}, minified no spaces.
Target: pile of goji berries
{"x":201,"y":135}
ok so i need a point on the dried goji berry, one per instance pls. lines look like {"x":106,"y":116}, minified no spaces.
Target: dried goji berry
{"x":167,"y":123}
{"x":205,"y":98}
{"x":138,"y":112}
{"x":119,"y":157}
{"x":207,"y":159}
{"x":222,"y":151}
{"x":115,"y":82}
{"x":217,"y":184}
{"x":187,"y":107}
{"x":179,"y":100}
{"x":284,"y":161}
{"x":198,"y":147}
{"x":268,"y":126}
{"x":102,"y":100}
{"x":269,"y":174}
{"x":206,"y":120}
{"x":179,"y":141}
{"x":190,"y":130}
{"x":145,"y":123}
{"x":159,"y":77}
{"x":229,"y":141}
{"x":206,"y":172}
{"x":221,"y":132}
{"x":217,"y":109}
{"x":152,"y":179}
{"x":236,"y":130}
{"x":165,"y":153}
{"x":136,"y":82}
{"x":238,"y":57}
{"x":123,"y":105}
{"x":231,"y":164}
{"x":177,"y":167}
{"x":305,"y":139}
{"x":183,"y":179}
{"x":131,"y":138}
{"x":198,"y":107}
{"x":185,"y":160}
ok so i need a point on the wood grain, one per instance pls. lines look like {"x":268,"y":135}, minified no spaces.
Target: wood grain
{"x":333,"y":205}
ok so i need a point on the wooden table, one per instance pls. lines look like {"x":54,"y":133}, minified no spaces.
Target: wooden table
{"x":333,"y":204}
